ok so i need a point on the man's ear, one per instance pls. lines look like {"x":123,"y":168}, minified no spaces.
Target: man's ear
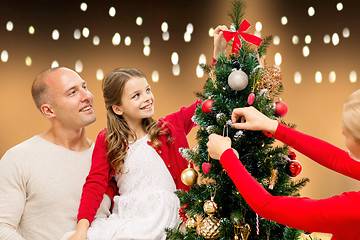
{"x":47,"y":110}
{"x":117,"y":110}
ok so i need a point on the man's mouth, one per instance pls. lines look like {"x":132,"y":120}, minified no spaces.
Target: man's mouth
{"x":85,"y":109}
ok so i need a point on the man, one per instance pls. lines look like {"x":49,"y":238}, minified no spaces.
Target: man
{"x":41,"y":179}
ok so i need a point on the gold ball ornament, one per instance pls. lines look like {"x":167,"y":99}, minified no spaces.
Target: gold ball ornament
{"x":210,"y":227}
{"x":191,"y":223}
{"x":189,"y":176}
{"x":210,"y":207}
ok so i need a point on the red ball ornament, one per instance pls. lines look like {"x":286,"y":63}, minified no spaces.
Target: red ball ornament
{"x":281,"y":109}
{"x":293,"y":168}
{"x":207,"y":105}
{"x":251,"y":98}
{"x":206,"y":167}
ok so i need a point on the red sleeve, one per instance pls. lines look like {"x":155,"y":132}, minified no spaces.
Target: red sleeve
{"x":183,"y":118}
{"x":333,"y":215}
{"x":96,"y":182}
{"x":213,"y":62}
{"x":320,"y":151}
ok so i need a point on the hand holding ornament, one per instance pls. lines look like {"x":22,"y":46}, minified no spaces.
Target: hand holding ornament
{"x":252,"y":119}
{"x":217,"y":145}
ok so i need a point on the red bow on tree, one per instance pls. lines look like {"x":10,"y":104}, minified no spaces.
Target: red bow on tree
{"x":245,"y":25}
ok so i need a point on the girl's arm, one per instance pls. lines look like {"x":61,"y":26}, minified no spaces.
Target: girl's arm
{"x":96,"y":182}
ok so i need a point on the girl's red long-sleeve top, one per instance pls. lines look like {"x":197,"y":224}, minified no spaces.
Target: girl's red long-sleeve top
{"x":177,"y":124}
{"x":338,"y":215}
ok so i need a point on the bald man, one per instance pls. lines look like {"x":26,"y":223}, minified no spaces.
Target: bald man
{"x":41,"y":179}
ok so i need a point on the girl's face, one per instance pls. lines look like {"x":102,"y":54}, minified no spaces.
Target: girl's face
{"x":137,"y":100}
{"x":352,"y":145}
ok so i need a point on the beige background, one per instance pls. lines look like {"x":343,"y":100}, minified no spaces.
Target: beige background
{"x":314,"y":107}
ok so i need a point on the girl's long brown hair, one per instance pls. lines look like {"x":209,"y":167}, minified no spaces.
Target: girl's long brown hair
{"x":118,"y":131}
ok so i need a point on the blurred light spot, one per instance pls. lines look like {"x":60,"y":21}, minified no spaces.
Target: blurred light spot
{"x":165,"y":36}
{"x":164,"y":27}
{"x":54,"y":64}
{"x":307,"y":39}
{"x":295,"y":39}
{"x":99,"y":74}
{"x":139,"y":21}
{"x":190,"y":28}
{"x":211,"y":32}
{"x":339,"y":6}
{"x":199,"y":71}
{"x":4,"y":56}
{"x":297,"y":77}
{"x":127,"y":41}
{"x":83,"y":7}
{"x":278,"y":59}
{"x":311,"y":11}
{"x":174,"y":58}
{"x":332,"y":77}
{"x":276,"y":40}
{"x":346,"y":33}
{"x":176,"y":70}
{"x":353,"y":76}
{"x":96,"y":40}
{"x":327,"y":39}
{"x":258,"y":26}
{"x":155,"y":76}
{"x":187,"y":37}
{"x":306,"y":51}
{"x":258,"y":34}
{"x":146,"y":41}
{"x":284,"y":20}
{"x":116,"y":39}
{"x":77,"y":34}
{"x":55,"y":34}
{"x":202,"y":59}
{"x":318,"y":77}
{"x":78,"y":66}
{"x":31,"y":30}
{"x":28,"y":61}
{"x":146,"y":50}
{"x":335,"y":39}
{"x":9,"y":26}
{"x":112,"y":12}
{"x":85,"y":32}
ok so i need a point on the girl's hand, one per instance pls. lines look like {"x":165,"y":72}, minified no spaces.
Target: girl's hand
{"x":217,"y":145}
{"x":81,"y":230}
{"x":252,"y":119}
{"x":219,"y":41}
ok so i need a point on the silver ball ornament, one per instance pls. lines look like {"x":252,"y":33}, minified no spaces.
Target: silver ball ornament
{"x":238,"y":80}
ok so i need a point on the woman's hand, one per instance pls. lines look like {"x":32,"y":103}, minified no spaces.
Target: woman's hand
{"x":217,"y":145}
{"x":252,"y":119}
{"x":219,"y":41}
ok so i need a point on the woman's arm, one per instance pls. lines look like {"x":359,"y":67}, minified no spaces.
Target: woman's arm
{"x":332,"y":215}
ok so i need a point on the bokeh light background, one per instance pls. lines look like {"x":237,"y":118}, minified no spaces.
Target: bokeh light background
{"x":315,"y":44}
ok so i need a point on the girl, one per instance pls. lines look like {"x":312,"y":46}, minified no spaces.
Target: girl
{"x":143,"y":156}
{"x":338,"y":215}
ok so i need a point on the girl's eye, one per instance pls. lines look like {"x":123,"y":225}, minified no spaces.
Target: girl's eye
{"x":148,"y":90}
{"x":136,"y":95}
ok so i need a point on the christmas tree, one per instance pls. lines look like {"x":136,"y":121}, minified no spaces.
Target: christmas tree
{"x":213,"y":208}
